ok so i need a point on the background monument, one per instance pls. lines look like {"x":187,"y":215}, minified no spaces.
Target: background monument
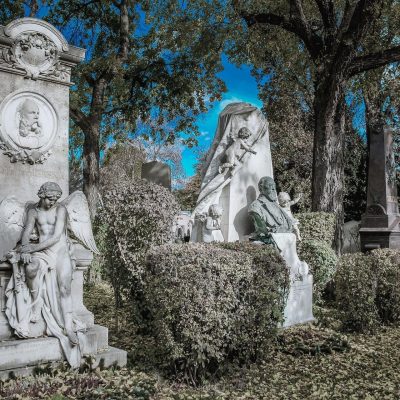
{"x":35,"y":70}
{"x":380,"y":223}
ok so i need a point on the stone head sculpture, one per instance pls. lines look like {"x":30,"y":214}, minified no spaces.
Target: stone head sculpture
{"x":267,"y":187}
{"x":29,"y":124}
{"x":49,"y":193}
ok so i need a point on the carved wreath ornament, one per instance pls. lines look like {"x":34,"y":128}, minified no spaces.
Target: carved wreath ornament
{"x":36,"y":54}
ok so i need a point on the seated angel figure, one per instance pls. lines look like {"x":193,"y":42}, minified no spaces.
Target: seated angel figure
{"x":41,"y":253}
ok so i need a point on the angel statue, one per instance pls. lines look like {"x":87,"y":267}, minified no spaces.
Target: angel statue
{"x":35,"y":239}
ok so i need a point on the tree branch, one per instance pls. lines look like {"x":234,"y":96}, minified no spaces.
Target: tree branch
{"x":294,"y":25}
{"x":79,"y":118}
{"x":327,"y":12}
{"x":374,"y":60}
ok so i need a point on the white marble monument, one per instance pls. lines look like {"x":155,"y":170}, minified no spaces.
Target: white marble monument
{"x":275,"y":225}
{"x":239,"y":156}
{"x":42,"y":316}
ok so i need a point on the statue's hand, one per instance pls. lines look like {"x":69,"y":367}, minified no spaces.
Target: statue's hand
{"x":26,"y":258}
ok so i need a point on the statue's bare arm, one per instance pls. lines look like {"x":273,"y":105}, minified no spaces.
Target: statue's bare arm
{"x":29,"y":226}
{"x":246,"y":147}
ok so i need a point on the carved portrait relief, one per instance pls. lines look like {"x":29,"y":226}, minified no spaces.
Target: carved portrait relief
{"x":28,"y":127}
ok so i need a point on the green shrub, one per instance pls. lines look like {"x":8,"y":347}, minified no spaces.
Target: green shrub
{"x":136,"y":215}
{"x":266,"y":296}
{"x":367,"y":289}
{"x":210,"y":305}
{"x":322,"y":261}
{"x":317,"y":226}
{"x":386,"y":262}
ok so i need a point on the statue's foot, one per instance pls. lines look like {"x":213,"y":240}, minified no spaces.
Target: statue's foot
{"x":73,"y":338}
{"x":36,"y":311}
{"x":35,"y":316}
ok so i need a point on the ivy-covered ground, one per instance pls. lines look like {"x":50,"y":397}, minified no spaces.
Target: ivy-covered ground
{"x":309,"y":362}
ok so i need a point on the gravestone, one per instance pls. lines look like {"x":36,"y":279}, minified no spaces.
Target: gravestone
{"x":157,"y":172}
{"x":35,"y":71}
{"x":380,"y":223}
{"x":239,"y":156}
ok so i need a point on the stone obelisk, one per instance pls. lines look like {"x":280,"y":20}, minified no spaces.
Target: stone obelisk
{"x":380,"y":223}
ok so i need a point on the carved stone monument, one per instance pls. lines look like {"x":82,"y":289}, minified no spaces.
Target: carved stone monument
{"x":42,"y":316}
{"x":239,"y":156}
{"x":273,"y":225}
{"x":380,"y":223}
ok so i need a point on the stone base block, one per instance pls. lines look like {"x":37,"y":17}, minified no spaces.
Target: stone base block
{"x":375,"y":238}
{"x":106,"y":359}
{"x":298,"y":308}
{"x":22,"y":356}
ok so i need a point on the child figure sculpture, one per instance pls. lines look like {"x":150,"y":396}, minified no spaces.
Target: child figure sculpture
{"x":212,"y":225}
{"x":286,"y":202}
{"x":234,"y":152}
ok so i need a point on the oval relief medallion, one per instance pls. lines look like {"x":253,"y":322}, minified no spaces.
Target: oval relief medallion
{"x":28,"y":127}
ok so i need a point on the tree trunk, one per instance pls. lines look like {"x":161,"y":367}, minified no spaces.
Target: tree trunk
{"x":91,"y":168}
{"x":328,"y":165}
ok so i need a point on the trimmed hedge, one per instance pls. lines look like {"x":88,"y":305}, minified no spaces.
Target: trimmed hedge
{"x":368,"y":290}
{"x":317,"y":226}
{"x":322,"y":261}
{"x":136,"y":215}
{"x":210,"y":305}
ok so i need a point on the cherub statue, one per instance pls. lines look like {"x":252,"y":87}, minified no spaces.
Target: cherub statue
{"x":212,"y":225}
{"x":234,"y":152}
{"x":37,"y":244}
{"x":286,"y":203}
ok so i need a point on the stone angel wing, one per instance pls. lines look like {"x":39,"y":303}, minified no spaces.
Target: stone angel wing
{"x":12,"y":221}
{"x":79,"y":219}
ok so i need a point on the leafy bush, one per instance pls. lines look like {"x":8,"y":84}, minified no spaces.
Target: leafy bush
{"x":367,"y":289}
{"x":317,"y":226}
{"x":322,"y":261}
{"x":136,"y":214}
{"x":386,"y":263}
{"x":209,"y":304}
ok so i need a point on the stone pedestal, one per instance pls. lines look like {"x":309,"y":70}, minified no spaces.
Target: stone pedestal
{"x":380,"y":223}
{"x":21,"y":356}
{"x":298,"y":308}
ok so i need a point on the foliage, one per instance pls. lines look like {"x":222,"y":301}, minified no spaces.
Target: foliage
{"x":211,"y":305}
{"x":367,"y":289}
{"x":136,"y":214}
{"x":386,"y":263}
{"x":64,"y":383}
{"x":307,"y":362}
{"x":122,"y":162}
{"x":317,"y":226}
{"x":322,"y":261}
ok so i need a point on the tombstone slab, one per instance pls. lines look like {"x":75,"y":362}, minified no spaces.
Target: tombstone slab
{"x":158,"y":173}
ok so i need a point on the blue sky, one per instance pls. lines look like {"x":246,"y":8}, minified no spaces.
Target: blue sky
{"x":241,"y":87}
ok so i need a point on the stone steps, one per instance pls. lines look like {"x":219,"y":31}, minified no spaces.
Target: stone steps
{"x":20,"y":356}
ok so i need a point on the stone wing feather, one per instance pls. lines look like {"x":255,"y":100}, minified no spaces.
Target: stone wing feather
{"x":12,"y":220}
{"x":79,"y":219}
